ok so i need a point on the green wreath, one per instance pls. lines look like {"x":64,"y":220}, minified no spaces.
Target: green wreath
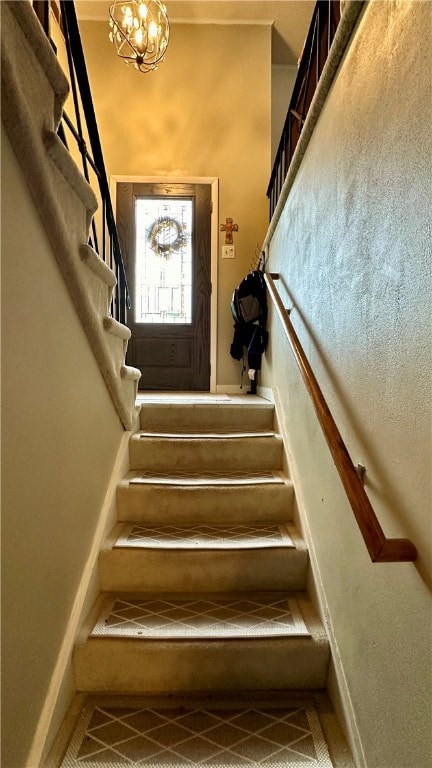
{"x":166,"y":236}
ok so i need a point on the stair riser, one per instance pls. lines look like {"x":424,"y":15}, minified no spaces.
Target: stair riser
{"x":116,"y":349}
{"x":124,"y":570}
{"x":129,"y":666}
{"x":219,"y":454}
{"x":150,"y":503}
{"x":99,"y":292}
{"x":183,"y":418}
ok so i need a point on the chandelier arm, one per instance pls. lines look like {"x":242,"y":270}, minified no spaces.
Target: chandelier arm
{"x":120,"y":31}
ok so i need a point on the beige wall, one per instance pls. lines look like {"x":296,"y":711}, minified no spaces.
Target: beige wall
{"x":204,"y":112}
{"x":352,"y":246}
{"x":61,"y":438}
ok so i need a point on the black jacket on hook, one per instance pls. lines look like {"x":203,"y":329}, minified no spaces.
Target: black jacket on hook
{"x":249,"y":310}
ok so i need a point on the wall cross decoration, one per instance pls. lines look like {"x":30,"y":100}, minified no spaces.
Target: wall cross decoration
{"x":228,"y":228}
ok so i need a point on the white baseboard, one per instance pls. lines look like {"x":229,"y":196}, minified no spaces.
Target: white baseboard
{"x":230,"y":389}
{"x":266,"y":393}
{"x":236,"y":389}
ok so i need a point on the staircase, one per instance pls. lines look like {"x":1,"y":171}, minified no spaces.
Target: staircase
{"x":33,"y":92}
{"x":203,"y":647}
{"x":203,"y":578}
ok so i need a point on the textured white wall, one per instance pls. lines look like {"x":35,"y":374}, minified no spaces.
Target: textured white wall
{"x":61,"y":437}
{"x":354,"y":253}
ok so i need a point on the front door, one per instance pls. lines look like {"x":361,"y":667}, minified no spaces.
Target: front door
{"x":164,"y":232}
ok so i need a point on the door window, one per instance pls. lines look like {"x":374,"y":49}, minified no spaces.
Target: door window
{"x":163,"y":260}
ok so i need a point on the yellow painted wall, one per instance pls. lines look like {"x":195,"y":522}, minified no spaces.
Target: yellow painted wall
{"x":204,"y":112}
{"x":353,"y":248}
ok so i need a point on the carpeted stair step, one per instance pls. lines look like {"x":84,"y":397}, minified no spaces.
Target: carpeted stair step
{"x":117,"y":337}
{"x":208,"y":557}
{"x":231,"y":497}
{"x":100,"y":279}
{"x":201,"y":642}
{"x":130,"y":377}
{"x":223,"y":451}
{"x":206,"y":417}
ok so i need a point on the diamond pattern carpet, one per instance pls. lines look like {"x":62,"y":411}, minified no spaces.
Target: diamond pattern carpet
{"x":206,"y":536}
{"x":122,"y":732}
{"x":193,"y":618}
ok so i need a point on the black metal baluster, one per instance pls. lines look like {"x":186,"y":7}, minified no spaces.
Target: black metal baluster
{"x":77,"y":55}
{"x":321,"y":32}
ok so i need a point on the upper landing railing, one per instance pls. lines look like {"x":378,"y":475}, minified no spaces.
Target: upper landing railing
{"x":325,"y":20}
{"x":84,"y":129}
{"x":381,"y":549}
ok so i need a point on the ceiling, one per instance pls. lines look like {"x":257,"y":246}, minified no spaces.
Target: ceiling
{"x":290,"y":18}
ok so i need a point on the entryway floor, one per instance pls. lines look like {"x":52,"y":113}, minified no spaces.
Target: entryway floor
{"x":149,"y":396}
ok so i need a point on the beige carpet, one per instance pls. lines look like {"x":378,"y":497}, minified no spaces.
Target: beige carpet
{"x":122,"y":731}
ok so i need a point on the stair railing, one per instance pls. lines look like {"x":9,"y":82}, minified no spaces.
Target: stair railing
{"x":325,"y":20}
{"x":381,"y":549}
{"x":85,"y":120}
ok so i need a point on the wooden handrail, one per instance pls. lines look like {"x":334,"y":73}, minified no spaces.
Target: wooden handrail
{"x":381,"y":549}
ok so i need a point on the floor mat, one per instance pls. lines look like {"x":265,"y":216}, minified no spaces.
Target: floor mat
{"x":119,"y":732}
{"x":240,"y":536}
{"x":200,"y":618}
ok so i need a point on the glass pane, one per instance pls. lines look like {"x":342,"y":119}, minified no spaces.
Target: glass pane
{"x":163,"y":252}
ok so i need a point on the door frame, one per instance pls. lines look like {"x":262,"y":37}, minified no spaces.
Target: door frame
{"x":213,"y":182}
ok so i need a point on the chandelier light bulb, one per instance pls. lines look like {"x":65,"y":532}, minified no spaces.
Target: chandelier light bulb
{"x":140,"y":32}
{"x":153,"y":30}
{"x":139,"y":37}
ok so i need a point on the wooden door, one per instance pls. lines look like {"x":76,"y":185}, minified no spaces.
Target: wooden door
{"x":164,"y":232}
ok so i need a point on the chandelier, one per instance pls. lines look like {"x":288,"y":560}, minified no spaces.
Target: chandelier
{"x":140,"y":32}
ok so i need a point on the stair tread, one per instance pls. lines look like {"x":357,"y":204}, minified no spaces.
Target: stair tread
{"x":188,"y":496}
{"x":205,"y":536}
{"x":205,"y":477}
{"x":205,"y":434}
{"x":199,"y":399}
{"x":200,"y":617}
